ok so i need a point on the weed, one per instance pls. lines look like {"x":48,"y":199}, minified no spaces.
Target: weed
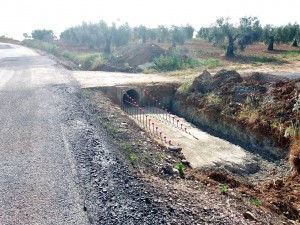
{"x":186,"y":86}
{"x":255,"y":201}
{"x":290,"y":54}
{"x":174,"y":61}
{"x":207,"y":52}
{"x":200,"y":185}
{"x":213,"y":99}
{"x":110,"y":129}
{"x":223,"y":189}
{"x":42,"y":45}
{"x":263,"y":59}
{"x":127,"y":147}
{"x":88,"y":61}
{"x":180,"y":168}
{"x":211,"y":63}
{"x":132,"y":157}
{"x":161,"y":156}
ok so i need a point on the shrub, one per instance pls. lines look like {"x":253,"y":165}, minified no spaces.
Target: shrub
{"x":44,"y":46}
{"x":174,"y":61}
{"x":211,"y":63}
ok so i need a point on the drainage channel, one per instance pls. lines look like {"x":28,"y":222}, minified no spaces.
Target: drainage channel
{"x":199,"y":148}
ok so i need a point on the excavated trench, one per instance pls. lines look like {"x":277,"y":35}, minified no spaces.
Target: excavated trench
{"x":232,"y":148}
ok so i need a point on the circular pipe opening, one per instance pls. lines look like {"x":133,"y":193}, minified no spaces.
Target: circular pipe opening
{"x":133,"y":94}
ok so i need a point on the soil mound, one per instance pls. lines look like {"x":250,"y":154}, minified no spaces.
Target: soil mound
{"x":129,"y":57}
{"x":200,"y":83}
{"x":264,"y":78}
{"x":206,"y":83}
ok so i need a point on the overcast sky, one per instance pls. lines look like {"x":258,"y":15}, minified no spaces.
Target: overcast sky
{"x":19,"y":16}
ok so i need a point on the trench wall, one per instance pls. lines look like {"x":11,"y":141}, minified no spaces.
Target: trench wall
{"x":229,"y":130}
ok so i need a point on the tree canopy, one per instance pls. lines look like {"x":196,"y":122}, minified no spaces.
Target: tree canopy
{"x":102,"y":36}
{"x":224,"y":33}
{"x":249,"y":30}
{"x":43,"y":35}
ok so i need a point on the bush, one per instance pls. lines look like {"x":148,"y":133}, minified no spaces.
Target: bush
{"x":212,"y":63}
{"x":174,"y":61}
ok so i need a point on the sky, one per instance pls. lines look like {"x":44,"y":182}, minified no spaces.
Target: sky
{"x":24,"y":16}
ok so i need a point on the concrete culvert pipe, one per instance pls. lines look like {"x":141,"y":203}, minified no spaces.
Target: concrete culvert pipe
{"x":133,"y":94}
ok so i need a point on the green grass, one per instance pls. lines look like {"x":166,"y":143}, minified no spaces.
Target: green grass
{"x":44,"y":46}
{"x":180,"y":168}
{"x":290,"y":54}
{"x":207,"y":52}
{"x":255,"y":201}
{"x":132,"y":157}
{"x":263,"y":59}
{"x":127,"y":147}
{"x":86,"y":61}
{"x":223,"y":189}
{"x":211,"y":63}
{"x":186,"y":86}
{"x":175,"y":61}
{"x":160,"y":156}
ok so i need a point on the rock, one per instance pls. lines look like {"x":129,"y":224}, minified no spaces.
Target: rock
{"x":185,"y":162}
{"x":249,"y":216}
{"x":174,"y":148}
{"x":168,"y":170}
{"x":278,"y":183}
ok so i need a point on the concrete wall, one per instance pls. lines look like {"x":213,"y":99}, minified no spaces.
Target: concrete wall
{"x":164,"y":93}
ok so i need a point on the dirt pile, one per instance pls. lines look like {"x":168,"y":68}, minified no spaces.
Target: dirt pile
{"x":128,"y":58}
{"x":262,"y":102}
{"x":257,"y":110}
{"x":206,"y":83}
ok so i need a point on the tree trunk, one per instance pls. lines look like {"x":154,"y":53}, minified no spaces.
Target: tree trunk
{"x":295,"y":43}
{"x":230,"y":47}
{"x":271,"y":43}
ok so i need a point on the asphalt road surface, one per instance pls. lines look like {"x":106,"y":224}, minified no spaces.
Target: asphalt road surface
{"x":37,"y":183}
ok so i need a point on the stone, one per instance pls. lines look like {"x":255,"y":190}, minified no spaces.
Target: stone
{"x":249,"y":216}
{"x":168,"y":170}
{"x":185,"y":162}
{"x":174,"y":148}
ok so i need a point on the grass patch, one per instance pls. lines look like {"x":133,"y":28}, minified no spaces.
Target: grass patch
{"x":211,"y":63}
{"x":127,"y":147}
{"x":44,"y":46}
{"x":175,"y":61}
{"x":255,"y":201}
{"x":223,"y":189}
{"x":85,"y":61}
{"x":132,"y":157}
{"x":213,"y":99}
{"x":207,"y":52}
{"x":186,"y":86}
{"x":110,"y":129}
{"x":262,"y":59}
